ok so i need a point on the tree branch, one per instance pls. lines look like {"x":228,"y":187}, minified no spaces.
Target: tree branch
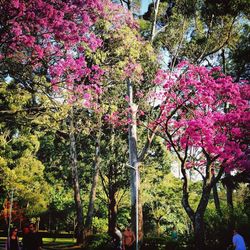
{"x":202,"y":57}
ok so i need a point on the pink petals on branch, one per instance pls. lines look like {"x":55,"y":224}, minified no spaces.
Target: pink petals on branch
{"x":54,"y":33}
{"x":204,"y":110}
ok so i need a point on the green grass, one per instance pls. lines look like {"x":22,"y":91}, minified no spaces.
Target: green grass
{"x":59,"y":243}
{"x":59,"y":240}
{"x":54,"y":243}
{"x":50,"y":240}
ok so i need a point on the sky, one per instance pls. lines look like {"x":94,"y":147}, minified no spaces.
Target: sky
{"x":144,"y":5}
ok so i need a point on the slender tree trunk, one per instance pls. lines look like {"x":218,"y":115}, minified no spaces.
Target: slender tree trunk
{"x":223,"y":60}
{"x":229,"y":189}
{"x":229,"y":193}
{"x":140,"y":219}
{"x":197,"y":217}
{"x":158,"y":226}
{"x":216,"y":199}
{"x":74,"y":167}
{"x":92,"y":197}
{"x":153,"y":30}
{"x":112,"y":217}
{"x":38,"y":223}
{"x":112,"y":189}
{"x":136,"y":208}
{"x":198,"y":223}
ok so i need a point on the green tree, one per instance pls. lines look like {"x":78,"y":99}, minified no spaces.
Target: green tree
{"x":208,"y":30}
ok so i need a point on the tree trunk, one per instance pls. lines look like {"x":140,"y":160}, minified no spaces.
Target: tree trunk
{"x":92,"y":197}
{"x":223,"y":61}
{"x":140,"y":220}
{"x":112,"y":217}
{"x":229,"y":188}
{"x":199,"y":232}
{"x":153,"y":30}
{"x":74,"y":167}
{"x":136,"y":208}
{"x":197,"y":217}
{"x":216,"y":199}
{"x":198,"y":223}
{"x":209,"y":180}
{"x":158,"y":227}
{"x":229,"y":192}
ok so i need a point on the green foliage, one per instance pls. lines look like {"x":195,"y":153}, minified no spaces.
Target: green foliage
{"x":21,"y":170}
{"x":239,"y":65}
{"x":219,"y":226}
{"x":222,"y":8}
{"x":218,"y":232}
{"x":204,"y":29}
{"x":59,"y":215}
{"x":23,"y":173}
{"x":246,"y":204}
{"x":100,"y":225}
{"x":162,"y":203}
{"x":99,"y":242}
{"x":34,"y":126}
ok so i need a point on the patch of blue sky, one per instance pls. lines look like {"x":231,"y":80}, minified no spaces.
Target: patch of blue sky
{"x":144,"y":6}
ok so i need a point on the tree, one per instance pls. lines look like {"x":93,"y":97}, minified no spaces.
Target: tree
{"x":41,"y":35}
{"x":239,"y":60}
{"x":113,"y":173}
{"x":201,"y":24}
{"x":204,"y":119}
{"x":54,"y":39}
{"x":21,"y":171}
{"x":125,"y":58}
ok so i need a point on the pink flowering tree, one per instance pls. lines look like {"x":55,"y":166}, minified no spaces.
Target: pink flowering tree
{"x":204,"y":120}
{"x":129,"y":64}
{"x":52,"y":38}
{"x":61,"y":40}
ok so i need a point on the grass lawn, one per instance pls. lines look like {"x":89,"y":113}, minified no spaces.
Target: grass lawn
{"x":59,"y":240}
{"x":54,"y":243}
{"x":59,"y":243}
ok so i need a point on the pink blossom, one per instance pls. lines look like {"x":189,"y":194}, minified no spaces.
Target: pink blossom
{"x":193,"y":112}
{"x":15,"y":3}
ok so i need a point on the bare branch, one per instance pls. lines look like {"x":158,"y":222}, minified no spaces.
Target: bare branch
{"x":203,"y":177}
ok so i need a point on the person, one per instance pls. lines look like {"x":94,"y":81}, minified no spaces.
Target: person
{"x":117,"y":239}
{"x":24,"y":239}
{"x":128,"y":239}
{"x":13,"y":241}
{"x":174,"y":238}
{"x":174,"y":235}
{"x":33,"y":241}
{"x":238,"y":241}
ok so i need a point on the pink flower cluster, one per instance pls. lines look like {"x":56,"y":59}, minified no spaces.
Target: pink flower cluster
{"x":133,"y":71}
{"x":54,"y":35}
{"x":203,"y":110}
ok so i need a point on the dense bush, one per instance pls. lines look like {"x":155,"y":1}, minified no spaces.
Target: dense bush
{"x":219,"y":228}
{"x":99,"y":242}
